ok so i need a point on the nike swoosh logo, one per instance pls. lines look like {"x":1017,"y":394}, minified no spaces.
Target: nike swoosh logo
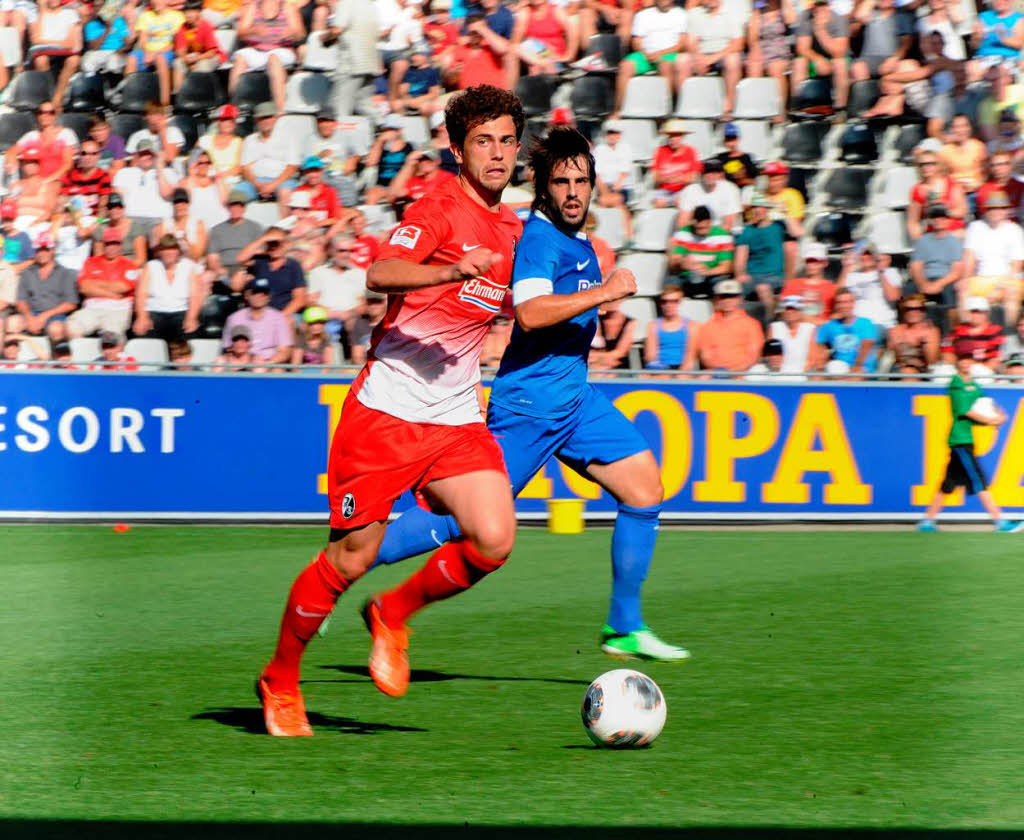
{"x":466,"y":247}
{"x":442,"y":567}
{"x":582,"y":265}
{"x":435,"y":537}
{"x":305,"y":614}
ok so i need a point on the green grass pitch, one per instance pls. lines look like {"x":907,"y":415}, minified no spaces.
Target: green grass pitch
{"x":843,"y":680}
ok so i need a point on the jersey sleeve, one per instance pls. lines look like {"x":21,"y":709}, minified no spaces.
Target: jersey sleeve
{"x":535,"y":268}
{"x":425,"y":228}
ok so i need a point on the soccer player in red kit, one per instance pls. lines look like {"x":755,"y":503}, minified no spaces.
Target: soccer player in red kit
{"x":411,"y":419}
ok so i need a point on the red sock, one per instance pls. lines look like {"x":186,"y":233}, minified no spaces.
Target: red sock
{"x":313,"y":595}
{"x":451,"y":569}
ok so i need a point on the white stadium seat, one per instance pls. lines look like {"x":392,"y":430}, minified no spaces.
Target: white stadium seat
{"x":294,"y":125}
{"x":415,"y":130}
{"x":359,"y":130}
{"x":702,"y":137}
{"x":696,"y":310}
{"x":318,"y":57}
{"x":263,"y":212}
{"x":647,"y":97}
{"x":379,"y":217}
{"x":204,"y":350}
{"x":649,"y":270}
{"x":642,"y":137}
{"x":307,"y":93}
{"x":653,"y":228}
{"x":84,"y":349}
{"x":701,"y":97}
{"x":642,"y":310}
{"x":609,"y":226}
{"x":147,"y":350}
{"x":757,"y":139}
{"x":757,"y":99}
{"x":888,"y":232}
{"x":894,"y":192}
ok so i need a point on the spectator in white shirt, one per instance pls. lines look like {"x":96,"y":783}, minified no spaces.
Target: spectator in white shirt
{"x":993,"y":257}
{"x":400,"y":28}
{"x":338,"y":287}
{"x":713,"y":191}
{"x":269,"y":161}
{"x":715,"y":42}
{"x":167,"y":140}
{"x":875,"y":284}
{"x":146,"y":188}
{"x":613,"y":160}
{"x":658,"y":42}
{"x":795,"y":334}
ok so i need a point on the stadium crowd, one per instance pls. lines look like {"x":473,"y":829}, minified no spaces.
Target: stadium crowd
{"x":802,"y":188}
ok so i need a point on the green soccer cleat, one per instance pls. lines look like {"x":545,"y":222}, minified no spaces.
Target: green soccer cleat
{"x":640,"y":644}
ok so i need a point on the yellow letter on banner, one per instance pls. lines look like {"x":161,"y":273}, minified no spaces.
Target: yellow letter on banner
{"x":1006,"y":483}
{"x":722,"y":450}
{"x":817,"y":416}
{"x":676,"y":434}
{"x":334,"y":397}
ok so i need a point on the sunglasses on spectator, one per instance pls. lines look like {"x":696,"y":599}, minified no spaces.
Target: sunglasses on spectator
{"x":46,"y":111}
{"x":670,"y":299}
{"x":913,"y":309}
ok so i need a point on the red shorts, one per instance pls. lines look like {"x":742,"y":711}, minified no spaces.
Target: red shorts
{"x":376,"y":457}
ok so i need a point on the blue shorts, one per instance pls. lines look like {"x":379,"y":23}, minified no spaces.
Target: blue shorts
{"x":596,"y":432}
{"x":140,"y":59}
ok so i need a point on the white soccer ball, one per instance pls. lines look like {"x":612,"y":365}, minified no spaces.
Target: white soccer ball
{"x":986,"y":407}
{"x":623,"y":708}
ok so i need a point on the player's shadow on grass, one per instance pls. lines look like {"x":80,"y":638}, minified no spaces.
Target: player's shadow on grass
{"x":251,"y":720}
{"x":421,"y":675}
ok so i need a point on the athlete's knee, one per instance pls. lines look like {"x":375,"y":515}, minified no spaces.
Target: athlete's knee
{"x":350,"y":561}
{"x":493,"y":539}
{"x":645,"y":490}
{"x":480,"y":563}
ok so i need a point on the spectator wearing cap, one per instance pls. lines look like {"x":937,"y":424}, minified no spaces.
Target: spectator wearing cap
{"x":846,"y":343}
{"x":56,"y":39}
{"x":482,"y":54}
{"x":1004,"y":93}
{"x":914,"y":341}
{"x":815,"y":290}
{"x":131,"y":234}
{"x":613,"y":164}
{"x":112,"y":146}
{"x":195,"y":45}
{"x":18,"y":250}
{"x":711,"y":190}
{"x":47,"y":294}
{"x":731,"y":340}
{"x":146,"y":187}
{"x":1013,"y":350}
{"x":701,"y":253}
{"x":714,"y":43}
{"x":269,"y":160}
{"x":420,"y":86}
{"x":107,"y":39}
{"x":1001,"y":178}
{"x":658,"y":40}
{"x":112,"y":355}
{"x":230,"y":238}
{"x":769,"y":47}
{"x":169,"y":295}
{"x":154,"y":48}
{"x":759,"y":260}
{"x":106,"y":285}
{"x":237,"y":349}
{"x":675,"y":164}
{"x":388,"y":154}
{"x":207,"y":190}
{"x":963,"y":156}
{"x":189,"y":230}
{"x":669,"y":334}
{"x":795,"y":334}
{"x":935,"y":187}
{"x":324,"y":206}
{"x":994,"y":255}
{"x":87,"y":180}
{"x":338,"y":286}
{"x":937,"y":262}
{"x":269,"y":330}
{"x":268,"y":28}
{"x":888,"y":37}
{"x":823,"y":46}
{"x":312,"y":343}
{"x":339,"y":153}
{"x":545,"y":38}
{"x":739,"y":167}
{"x":976,"y":336}
{"x":223,"y":145}
{"x":354,"y":28}
{"x":52,"y":145}
{"x":788,"y":209}
{"x":769,"y":368}
{"x":420,"y":174}
{"x":34,"y":196}
{"x":166,"y":139}
{"x":267,"y":260}
{"x":876,"y":287}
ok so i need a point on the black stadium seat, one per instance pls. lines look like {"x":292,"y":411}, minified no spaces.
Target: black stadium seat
{"x":593,"y":96}
{"x":908,"y":138}
{"x":847,"y":189}
{"x":813,"y":99}
{"x":863,"y":95}
{"x":125,"y":125}
{"x":199,"y":92}
{"x":802,"y":141}
{"x":535,"y":93}
{"x":609,"y":46}
{"x":138,"y":90}
{"x":835,"y":230}
{"x":188,"y":126}
{"x":857,"y":144}
{"x":77,"y":122}
{"x":253,"y":88}
{"x":85,"y":93}
{"x":30,"y":89}
{"x":13,"y":127}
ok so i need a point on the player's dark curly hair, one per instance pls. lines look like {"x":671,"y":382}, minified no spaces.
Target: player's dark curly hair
{"x":562,"y":143}
{"x":480,"y":104}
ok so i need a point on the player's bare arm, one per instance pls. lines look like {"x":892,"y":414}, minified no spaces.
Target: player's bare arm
{"x":396,"y":276}
{"x":548,"y":310}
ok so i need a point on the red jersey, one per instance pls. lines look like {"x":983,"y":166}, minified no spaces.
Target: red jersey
{"x":324,"y":202}
{"x":1013,"y":188}
{"x":922,"y":195}
{"x":417,"y":187}
{"x":681,"y":161}
{"x":90,"y":185}
{"x":424,"y":359}
{"x":100,"y":268}
{"x":982,"y":342}
{"x":817,"y":295}
{"x":365,"y":251}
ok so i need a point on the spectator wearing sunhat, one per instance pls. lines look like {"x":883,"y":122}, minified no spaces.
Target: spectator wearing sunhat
{"x":788,"y":209}
{"x":169,"y":295}
{"x":759,"y":259}
{"x":324,"y":207}
{"x":713,"y":191}
{"x":613,"y":163}
{"x":675,"y":164}
{"x":739,"y":167}
{"x":815,"y":290}
{"x":389,"y":152}
{"x":269,"y":330}
{"x":47,"y":294}
{"x":146,"y":187}
{"x":237,"y":349}
{"x":421,"y":173}
{"x":223,"y":145}
{"x":730,"y":340}
{"x":994,"y":256}
{"x":106,"y":284}
{"x":769,"y":368}
{"x":270,"y":159}
{"x":915,"y":340}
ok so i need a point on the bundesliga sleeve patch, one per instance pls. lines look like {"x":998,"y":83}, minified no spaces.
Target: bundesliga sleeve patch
{"x":407,"y":236}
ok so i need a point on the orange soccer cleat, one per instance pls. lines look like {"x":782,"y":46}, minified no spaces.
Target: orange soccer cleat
{"x":389,"y":664}
{"x":284,"y":713}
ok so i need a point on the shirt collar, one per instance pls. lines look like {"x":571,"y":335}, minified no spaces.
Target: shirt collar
{"x":579,"y":234}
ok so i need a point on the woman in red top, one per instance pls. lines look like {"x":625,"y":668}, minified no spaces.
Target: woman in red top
{"x":544,"y":37}
{"x":935,"y":187}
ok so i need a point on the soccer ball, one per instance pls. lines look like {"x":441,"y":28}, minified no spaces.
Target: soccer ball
{"x":623,"y":708}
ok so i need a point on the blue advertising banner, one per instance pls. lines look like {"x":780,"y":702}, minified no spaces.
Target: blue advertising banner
{"x":242,"y":446}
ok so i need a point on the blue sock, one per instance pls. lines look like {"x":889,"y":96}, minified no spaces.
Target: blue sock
{"x":415,"y":532}
{"x":636,"y":531}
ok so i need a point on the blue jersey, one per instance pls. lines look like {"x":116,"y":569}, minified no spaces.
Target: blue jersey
{"x":544,"y":372}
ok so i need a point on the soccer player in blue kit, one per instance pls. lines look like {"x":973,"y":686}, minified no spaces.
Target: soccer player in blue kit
{"x":541,"y":404}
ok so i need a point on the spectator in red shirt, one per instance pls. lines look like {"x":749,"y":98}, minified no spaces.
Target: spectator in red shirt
{"x":366,"y":246}
{"x":420,"y":174}
{"x":675,"y":164}
{"x":195,"y":45}
{"x":935,"y":187}
{"x":979,"y":336}
{"x":1000,"y":177}
{"x":814,"y":288}
{"x":54,"y":144}
{"x":479,"y":58}
{"x":324,"y":207}
{"x":106,"y":285}
{"x":86,"y":179}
